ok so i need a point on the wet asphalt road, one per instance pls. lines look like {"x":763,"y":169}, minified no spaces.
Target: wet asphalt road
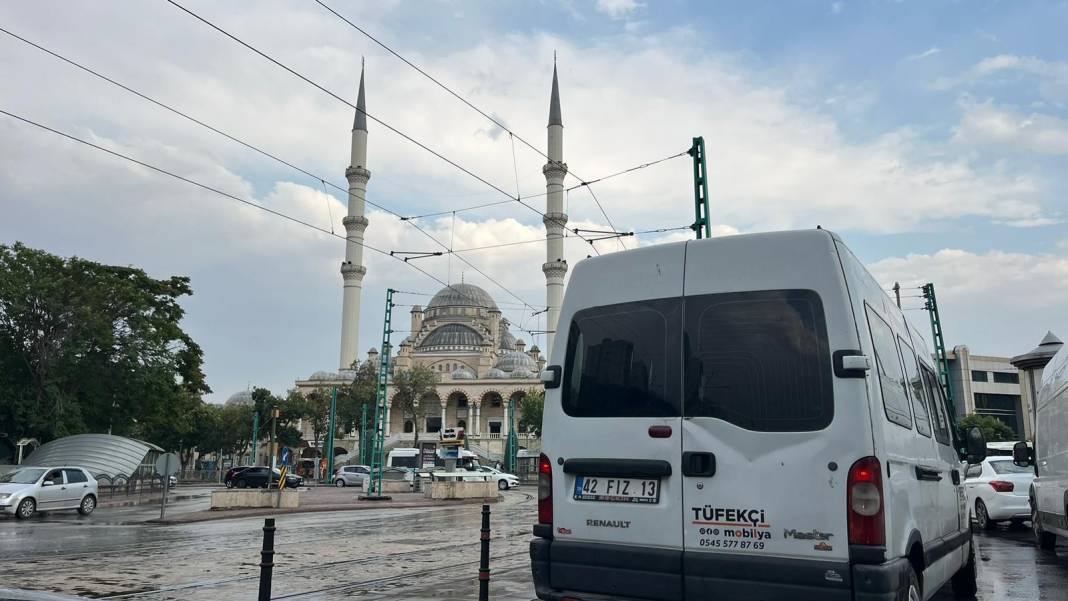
{"x":410,"y":554}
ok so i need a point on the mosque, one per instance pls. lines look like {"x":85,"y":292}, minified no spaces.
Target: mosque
{"x":461,"y":333}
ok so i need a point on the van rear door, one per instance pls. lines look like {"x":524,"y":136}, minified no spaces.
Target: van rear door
{"x":769,"y":432}
{"x":616,"y":488}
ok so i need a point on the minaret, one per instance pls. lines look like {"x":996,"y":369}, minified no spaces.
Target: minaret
{"x":555,"y":268}
{"x":352,"y":269}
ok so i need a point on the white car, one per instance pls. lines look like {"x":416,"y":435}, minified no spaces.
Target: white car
{"x":28,"y":490}
{"x":998,"y":491}
{"x":504,"y":481}
{"x":746,"y":417}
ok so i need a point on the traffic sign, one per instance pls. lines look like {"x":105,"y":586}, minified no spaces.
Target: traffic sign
{"x":168,"y":464}
{"x":285,"y":455}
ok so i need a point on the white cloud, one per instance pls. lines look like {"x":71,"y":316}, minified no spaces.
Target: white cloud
{"x":933,"y":50}
{"x":617,"y":9}
{"x":985,"y":124}
{"x":1052,"y":75}
{"x":837,"y":8}
{"x":998,"y":303}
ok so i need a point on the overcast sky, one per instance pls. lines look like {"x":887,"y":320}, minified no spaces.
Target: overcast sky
{"x":932,"y":136}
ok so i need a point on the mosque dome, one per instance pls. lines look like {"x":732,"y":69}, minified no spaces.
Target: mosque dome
{"x":523,"y":374}
{"x":323,"y":375}
{"x":513,"y":360}
{"x":507,"y":340}
{"x":462,"y":295}
{"x":452,"y":335}
{"x":496,"y":374}
{"x":243,"y":397}
{"x":463,"y":373}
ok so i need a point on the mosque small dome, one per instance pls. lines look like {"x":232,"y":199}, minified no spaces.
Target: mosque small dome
{"x":507,"y":341}
{"x":243,"y":398}
{"x":513,"y":360}
{"x":523,"y":374}
{"x":496,"y":374}
{"x":463,"y":373}
{"x":323,"y":375}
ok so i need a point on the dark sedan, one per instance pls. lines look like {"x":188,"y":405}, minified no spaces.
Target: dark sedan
{"x":256,"y":477}
{"x":231,"y":473}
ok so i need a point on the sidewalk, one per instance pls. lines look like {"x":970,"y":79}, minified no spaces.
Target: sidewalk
{"x":179,"y":494}
{"x":319,"y":499}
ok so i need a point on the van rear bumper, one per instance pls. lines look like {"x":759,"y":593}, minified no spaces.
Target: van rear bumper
{"x":598,"y":572}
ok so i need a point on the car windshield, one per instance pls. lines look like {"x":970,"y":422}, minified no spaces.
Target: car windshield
{"x":1008,"y":467}
{"x":23,"y":476}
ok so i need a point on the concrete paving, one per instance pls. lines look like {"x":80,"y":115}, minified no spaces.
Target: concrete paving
{"x":407,"y":554}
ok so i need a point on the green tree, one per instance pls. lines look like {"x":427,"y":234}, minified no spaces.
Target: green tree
{"x":87,"y":347}
{"x":993,"y":428}
{"x":531,"y":408}
{"x":353,"y":397}
{"x":410,"y":386}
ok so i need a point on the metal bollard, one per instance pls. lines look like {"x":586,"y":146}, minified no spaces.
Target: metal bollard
{"x":483,"y":561}
{"x":267,"y":559}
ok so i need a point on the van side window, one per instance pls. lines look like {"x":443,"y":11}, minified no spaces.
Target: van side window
{"x":919,"y":400}
{"x":891,"y":379}
{"x":938,"y":415}
{"x":758,"y":360}
{"x":623,"y":360}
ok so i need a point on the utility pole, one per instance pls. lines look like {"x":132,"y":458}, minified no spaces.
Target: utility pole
{"x":701,"y":223}
{"x":273,"y":445}
{"x":330,"y":435}
{"x":374,"y":488}
{"x":255,"y":438}
{"x":931,"y":304}
{"x":511,"y":449}
{"x":364,"y":448}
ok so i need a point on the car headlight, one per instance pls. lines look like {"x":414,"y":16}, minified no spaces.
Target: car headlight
{"x":4,"y":495}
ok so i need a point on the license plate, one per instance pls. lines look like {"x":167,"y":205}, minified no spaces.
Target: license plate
{"x":617,"y":490}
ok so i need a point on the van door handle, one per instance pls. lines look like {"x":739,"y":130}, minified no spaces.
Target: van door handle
{"x":927,"y":474}
{"x":702,"y":465}
{"x":955,"y":474}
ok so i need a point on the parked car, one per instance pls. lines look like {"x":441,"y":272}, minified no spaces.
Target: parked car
{"x":28,"y":490}
{"x":228,"y":479}
{"x":745,"y":417}
{"x":998,"y":491}
{"x":351,"y":475}
{"x":1049,"y":490}
{"x":256,"y":477}
{"x":504,"y":481}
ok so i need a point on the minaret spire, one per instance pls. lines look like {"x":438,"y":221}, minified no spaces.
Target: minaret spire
{"x":352,"y":269}
{"x":555,"y":220}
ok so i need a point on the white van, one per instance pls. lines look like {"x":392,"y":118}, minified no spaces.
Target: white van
{"x":1049,"y":489}
{"x":746,"y":417}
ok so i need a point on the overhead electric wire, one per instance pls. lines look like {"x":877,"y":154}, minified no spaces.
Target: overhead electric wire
{"x":364,"y":112}
{"x":223,"y":193}
{"x":250,"y":147}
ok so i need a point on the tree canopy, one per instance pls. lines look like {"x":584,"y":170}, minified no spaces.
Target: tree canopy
{"x":410,"y":386}
{"x":994,"y":430}
{"x":88,"y":347}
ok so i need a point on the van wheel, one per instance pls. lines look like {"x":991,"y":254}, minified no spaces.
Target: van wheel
{"x":88,"y":505}
{"x":964,"y":581}
{"x":982,"y":517}
{"x":913,"y":592}
{"x":502,"y":485}
{"x":1047,"y":541}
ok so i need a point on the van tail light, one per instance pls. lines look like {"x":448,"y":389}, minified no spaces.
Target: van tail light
{"x":1001,"y":486}
{"x":545,"y":490}
{"x":865,"y":500}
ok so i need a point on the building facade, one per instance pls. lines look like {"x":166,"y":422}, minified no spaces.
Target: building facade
{"x":988,"y":385}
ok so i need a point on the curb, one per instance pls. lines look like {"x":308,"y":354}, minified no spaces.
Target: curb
{"x":146,"y":501}
{"x":235,"y":514}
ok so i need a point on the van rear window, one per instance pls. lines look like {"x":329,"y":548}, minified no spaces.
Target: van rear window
{"x":623,"y":360}
{"x":759,"y":360}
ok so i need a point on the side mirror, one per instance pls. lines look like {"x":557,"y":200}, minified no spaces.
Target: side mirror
{"x":48,"y":483}
{"x":551,"y":376}
{"x":976,"y":445}
{"x":1022,"y":455}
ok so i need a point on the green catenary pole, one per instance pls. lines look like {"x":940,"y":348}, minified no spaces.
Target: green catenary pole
{"x":701,"y":224}
{"x":330,"y":435}
{"x":512,"y":445}
{"x":255,"y":437}
{"x":378,"y":451}
{"x":931,"y":305}
{"x":364,"y":442}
